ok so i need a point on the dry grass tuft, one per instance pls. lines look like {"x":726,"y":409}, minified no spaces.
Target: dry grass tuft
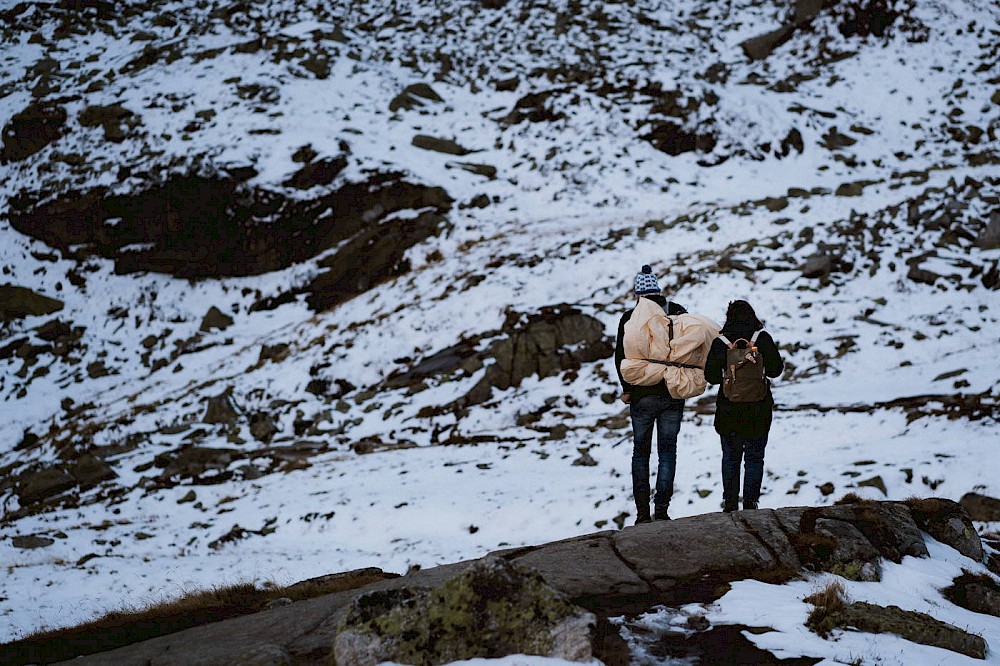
{"x":827,"y":601}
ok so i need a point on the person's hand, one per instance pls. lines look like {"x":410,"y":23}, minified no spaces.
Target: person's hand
{"x":626,"y":398}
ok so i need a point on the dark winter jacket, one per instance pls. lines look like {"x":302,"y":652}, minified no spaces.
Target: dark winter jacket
{"x":748,"y":419}
{"x":638,"y":392}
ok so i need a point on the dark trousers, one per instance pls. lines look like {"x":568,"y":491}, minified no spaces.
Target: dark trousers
{"x":665,"y":413}
{"x":735,"y":449}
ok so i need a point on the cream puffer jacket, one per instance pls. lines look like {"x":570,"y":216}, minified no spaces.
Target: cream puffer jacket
{"x":652,"y":354}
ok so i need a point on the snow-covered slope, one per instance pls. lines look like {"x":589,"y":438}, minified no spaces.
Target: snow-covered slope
{"x":582,"y":139}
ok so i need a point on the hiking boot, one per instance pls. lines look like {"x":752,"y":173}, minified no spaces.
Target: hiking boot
{"x":642,"y":516}
{"x":661,"y":514}
{"x":749,"y":506}
{"x":729,"y":508}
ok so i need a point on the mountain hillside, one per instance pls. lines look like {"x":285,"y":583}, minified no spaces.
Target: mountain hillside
{"x":292,"y":288}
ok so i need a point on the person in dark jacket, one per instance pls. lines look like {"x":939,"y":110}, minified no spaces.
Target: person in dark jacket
{"x":742,"y":426}
{"x":649,"y":405}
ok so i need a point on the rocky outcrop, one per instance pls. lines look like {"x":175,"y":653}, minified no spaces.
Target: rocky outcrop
{"x":197,"y":226}
{"x":555,"y":339}
{"x":493,"y":608}
{"x":607,"y":573}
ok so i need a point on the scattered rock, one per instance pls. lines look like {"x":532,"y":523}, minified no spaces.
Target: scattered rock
{"x":817,"y":266}
{"x":414,"y":96}
{"x":18,"y":302}
{"x":276,"y":352}
{"x":31,"y":541}
{"x":97,"y":369}
{"x":874,"y":482}
{"x":437,"y":145}
{"x":315,"y":174}
{"x":492,"y":609}
{"x":195,"y":462}
{"x":487,"y":170}
{"x":110,"y":118}
{"x":33,"y":487}
{"x":827,"y":489}
{"x":981,"y":507}
{"x":585,"y":460}
{"x":917,"y":274}
{"x":31,"y":130}
{"x":758,"y":48}
{"x":979,"y":593}
{"x":215,"y":319}
{"x":262,"y":427}
{"x":190,"y":496}
{"x":221,"y":409}
{"x":89,"y":470}
{"x":989,"y":239}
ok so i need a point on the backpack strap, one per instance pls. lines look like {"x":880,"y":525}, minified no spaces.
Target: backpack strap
{"x":753,"y":338}
{"x":726,"y":341}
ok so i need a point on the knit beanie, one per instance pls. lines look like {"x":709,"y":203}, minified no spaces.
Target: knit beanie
{"x":645,"y":282}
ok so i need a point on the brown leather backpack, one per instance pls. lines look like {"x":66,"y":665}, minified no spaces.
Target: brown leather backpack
{"x":743,"y":378}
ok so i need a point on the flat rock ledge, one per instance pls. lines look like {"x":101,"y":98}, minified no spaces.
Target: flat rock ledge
{"x":606,"y":573}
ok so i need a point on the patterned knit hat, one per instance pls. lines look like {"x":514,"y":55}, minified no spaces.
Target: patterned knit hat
{"x":645,"y":282}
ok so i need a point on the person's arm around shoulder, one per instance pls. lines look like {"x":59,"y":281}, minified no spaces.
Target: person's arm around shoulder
{"x":626,"y":396}
{"x":773,"y":364}
{"x":716,"y":360}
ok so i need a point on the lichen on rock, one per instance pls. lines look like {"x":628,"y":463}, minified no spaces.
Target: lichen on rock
{"x":493,"y":609}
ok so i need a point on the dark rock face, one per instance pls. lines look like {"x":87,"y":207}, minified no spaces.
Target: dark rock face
{"x":492,"y":609}
{"x":990,"y":237}
{"x":211,"y":226}
{"x":437,"y":145}
{"x":31,"y":130}
{"x":18,"y":302}
{"x":31,"y":542}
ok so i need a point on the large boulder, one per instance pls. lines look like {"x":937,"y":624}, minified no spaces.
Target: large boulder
{"x":989,"y":239}
{"x":492,"y":609}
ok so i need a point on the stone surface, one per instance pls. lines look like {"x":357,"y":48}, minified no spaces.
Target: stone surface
{"x":438,"y":145}
{"x":758,"y":48}
{"x":215,"y":319}
{"x":220,"y":409}
{"x":39,"y":485}
{"x":913,"y":626}
{"x":31,"y":130}
{"x":584,"y":567}
{"x":947,"y":522}
{"x":414,"y":96}
{"x":989,"y":239}
{"x":31,"y":541}
{"x":17,"y":302}
{"x":764,"y":524}
{"x":978,"y":593}
{"x":981,"y":507}
{"x":493,"y":608}
{"x":668,"y":552}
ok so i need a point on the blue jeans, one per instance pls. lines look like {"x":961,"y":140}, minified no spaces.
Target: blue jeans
{"x":735,"y":449}
{"x":666,"y":413}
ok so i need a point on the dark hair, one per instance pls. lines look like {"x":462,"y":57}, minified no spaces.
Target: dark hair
{"x":741,"y":317}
